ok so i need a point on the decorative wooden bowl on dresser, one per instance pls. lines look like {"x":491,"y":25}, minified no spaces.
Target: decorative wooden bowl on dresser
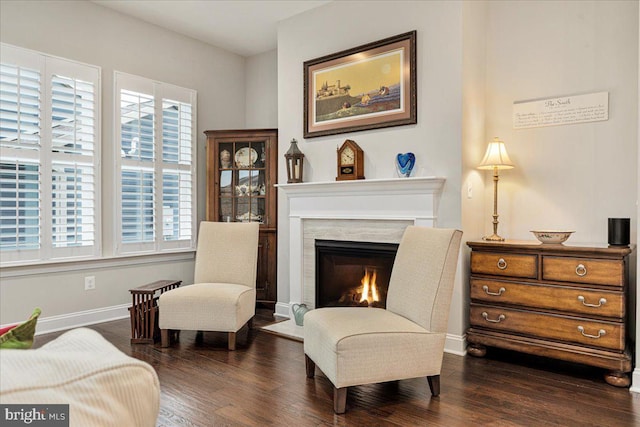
{"x":558,"y":301}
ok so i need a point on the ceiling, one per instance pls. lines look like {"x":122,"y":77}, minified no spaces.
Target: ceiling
{"x":245,"y":27}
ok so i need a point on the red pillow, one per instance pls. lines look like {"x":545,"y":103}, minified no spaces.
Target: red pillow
{"x":7,"y":329}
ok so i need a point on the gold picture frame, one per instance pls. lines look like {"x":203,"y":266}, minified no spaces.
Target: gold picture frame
{"x":367,"y":87}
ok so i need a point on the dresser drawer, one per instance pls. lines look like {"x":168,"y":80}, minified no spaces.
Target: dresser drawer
{"x":567,"y":299}
{"x":603,"y":334}
{"x":504,"y":264}
{"x":583,"y":270}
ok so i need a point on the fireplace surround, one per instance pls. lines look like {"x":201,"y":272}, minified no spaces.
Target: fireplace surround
{"x":371,"y":210}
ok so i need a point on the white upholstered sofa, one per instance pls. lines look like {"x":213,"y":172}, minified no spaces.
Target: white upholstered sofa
{"x":102,"y":385}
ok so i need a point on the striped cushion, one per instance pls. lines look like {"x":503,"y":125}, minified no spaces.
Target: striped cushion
{"x":101,"y":385}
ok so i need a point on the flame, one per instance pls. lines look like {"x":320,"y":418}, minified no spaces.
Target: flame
{"x":369,"y":288}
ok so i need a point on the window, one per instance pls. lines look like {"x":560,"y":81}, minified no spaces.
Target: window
{"x":156,"y":200}
{"x":49,"y":159}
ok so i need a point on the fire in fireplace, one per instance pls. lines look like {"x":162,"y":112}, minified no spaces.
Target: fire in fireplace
{"x":369,"y":289}
{"x":353,"y":273}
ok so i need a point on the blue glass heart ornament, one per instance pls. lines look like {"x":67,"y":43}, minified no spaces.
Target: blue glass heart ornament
{"x":405,"y":163}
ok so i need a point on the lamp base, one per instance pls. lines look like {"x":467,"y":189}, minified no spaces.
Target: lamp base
{"x":493,"y":238}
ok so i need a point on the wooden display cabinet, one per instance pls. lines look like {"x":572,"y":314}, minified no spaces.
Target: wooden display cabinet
{"x":241,"y":174}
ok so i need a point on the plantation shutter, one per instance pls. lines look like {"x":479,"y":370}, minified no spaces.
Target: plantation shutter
{"x":74,"y":159}
{"x":21,"y":106}
{"x":20,"y":118}
{"x":73,"y":168}
{"x":20,"y":206}
{"x":137,"y":173}
{"x":156,"y":145}
{"x":138,"y":200}
{"x":50,"y":139}
{"x":177,"y":180}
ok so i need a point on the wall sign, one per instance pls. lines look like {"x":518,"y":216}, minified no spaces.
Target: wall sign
{"x":562,"y":110}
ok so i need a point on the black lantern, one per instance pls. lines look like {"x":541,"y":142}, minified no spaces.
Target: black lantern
{"x":295,"y":161}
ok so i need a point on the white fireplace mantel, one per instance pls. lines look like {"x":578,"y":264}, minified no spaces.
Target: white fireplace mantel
{"x":361,"y":210}
{"x":364,"y":186}
{"x":367,"y":198}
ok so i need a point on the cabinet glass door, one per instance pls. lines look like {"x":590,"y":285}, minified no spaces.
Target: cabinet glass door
{"x":242,"y":181}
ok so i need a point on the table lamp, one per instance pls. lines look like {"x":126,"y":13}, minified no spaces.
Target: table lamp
{"x":495,"y":158}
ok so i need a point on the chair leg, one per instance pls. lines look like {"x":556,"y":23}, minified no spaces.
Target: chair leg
{"x":164,"y":338}
{"x":232,"y":341}
{"x":250,"y":323}
{"x":199,"y":337}
{"x":339,"y":400}
{"x":310,"y":365}
{"x":434,"y":384}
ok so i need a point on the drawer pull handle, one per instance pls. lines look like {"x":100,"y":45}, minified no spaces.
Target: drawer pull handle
{"x":601,"y":332}
{"x":601,"y":302}
{"x":502,"y":264}
{"x":485,"y":288}
{"x":486,"y":317}
{"x":581,"y":270}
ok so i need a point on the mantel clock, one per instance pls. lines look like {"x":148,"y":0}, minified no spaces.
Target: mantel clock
{"x":350,"y":161}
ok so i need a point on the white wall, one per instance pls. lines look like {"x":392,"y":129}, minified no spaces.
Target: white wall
{"x":573,"y":176}
{"x":435,"y":139}
{"x":261,"y":86}
{"x":86,"y":32}
{"x":473,"y":135}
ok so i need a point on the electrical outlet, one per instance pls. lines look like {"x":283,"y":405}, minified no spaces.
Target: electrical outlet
{"x":89,"y":283}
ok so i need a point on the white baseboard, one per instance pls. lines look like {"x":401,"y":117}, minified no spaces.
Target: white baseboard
{"x":635,"y":381}
{"x":81,"y":318}
{"x":282,"y":310}
{"x":456,"y":344}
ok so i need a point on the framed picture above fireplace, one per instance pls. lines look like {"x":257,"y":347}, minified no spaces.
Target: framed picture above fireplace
{"x":366,"y":87}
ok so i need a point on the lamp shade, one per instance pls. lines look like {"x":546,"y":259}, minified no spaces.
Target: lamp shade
{"x":496,"y":156}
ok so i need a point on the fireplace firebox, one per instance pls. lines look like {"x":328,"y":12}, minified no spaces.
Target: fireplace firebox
{"x":353,"y":273}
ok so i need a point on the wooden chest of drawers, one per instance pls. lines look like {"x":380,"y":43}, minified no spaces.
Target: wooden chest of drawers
{"x":564,"y":302}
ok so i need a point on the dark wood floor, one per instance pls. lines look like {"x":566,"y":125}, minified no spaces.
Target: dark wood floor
{"x":263,"y":383}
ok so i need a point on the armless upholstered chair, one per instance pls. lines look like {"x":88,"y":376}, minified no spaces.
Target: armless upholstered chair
{"x":223,"y":296}
{"x":355,"y":345}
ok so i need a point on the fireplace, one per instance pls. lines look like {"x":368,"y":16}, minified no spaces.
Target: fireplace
{"x":365,"y":210}
{"x":350,"y":273}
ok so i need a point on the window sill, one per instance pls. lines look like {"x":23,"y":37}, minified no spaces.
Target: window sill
{"x":94,"y":263}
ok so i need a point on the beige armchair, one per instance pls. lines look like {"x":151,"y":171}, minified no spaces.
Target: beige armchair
{"x":223,"y":296}
{"x":355,"y":345}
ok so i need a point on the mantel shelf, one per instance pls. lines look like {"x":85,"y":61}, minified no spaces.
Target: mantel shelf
{"x":415,"y":185}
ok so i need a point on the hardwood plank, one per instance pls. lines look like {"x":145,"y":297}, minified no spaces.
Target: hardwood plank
{"x":264,"y":383}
